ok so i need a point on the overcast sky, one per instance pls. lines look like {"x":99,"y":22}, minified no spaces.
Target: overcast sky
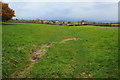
{"x":70,"y":11}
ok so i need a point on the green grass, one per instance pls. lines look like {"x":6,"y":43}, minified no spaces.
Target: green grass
{"x":0,"y":51}
{"x":94,"y":56}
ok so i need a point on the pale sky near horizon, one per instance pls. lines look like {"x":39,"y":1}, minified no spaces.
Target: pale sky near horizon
{"x":70,"y":11}
{"x":61,"y":0}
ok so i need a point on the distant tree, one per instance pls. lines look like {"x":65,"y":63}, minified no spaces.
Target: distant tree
{"x":94,"y":22}
{"x":6,"y":13}
{"x":69,"y":22}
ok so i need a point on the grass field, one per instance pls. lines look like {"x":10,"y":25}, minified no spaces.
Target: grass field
{"x":95,"y":55}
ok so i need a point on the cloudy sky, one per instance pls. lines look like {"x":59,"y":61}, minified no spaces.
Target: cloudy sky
{"x":70,"y":11}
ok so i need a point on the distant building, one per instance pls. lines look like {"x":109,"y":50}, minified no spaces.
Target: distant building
{"x":86,"y":23}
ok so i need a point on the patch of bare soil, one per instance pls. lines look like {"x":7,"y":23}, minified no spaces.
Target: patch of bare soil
{"x":20,"y":48}
{"x":86,"y":75}
{"x":70,"y":39}
{"x":47,"y":45}
{"x":35,"y":46}
{"x":38,"y":55}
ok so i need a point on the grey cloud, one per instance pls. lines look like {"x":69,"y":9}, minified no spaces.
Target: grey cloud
{"x":66,"y":11}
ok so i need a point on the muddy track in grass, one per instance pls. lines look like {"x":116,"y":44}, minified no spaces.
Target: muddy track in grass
{"x":37,"y":55}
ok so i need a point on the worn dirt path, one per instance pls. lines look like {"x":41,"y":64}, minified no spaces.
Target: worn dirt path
{"x":38,"y":54}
